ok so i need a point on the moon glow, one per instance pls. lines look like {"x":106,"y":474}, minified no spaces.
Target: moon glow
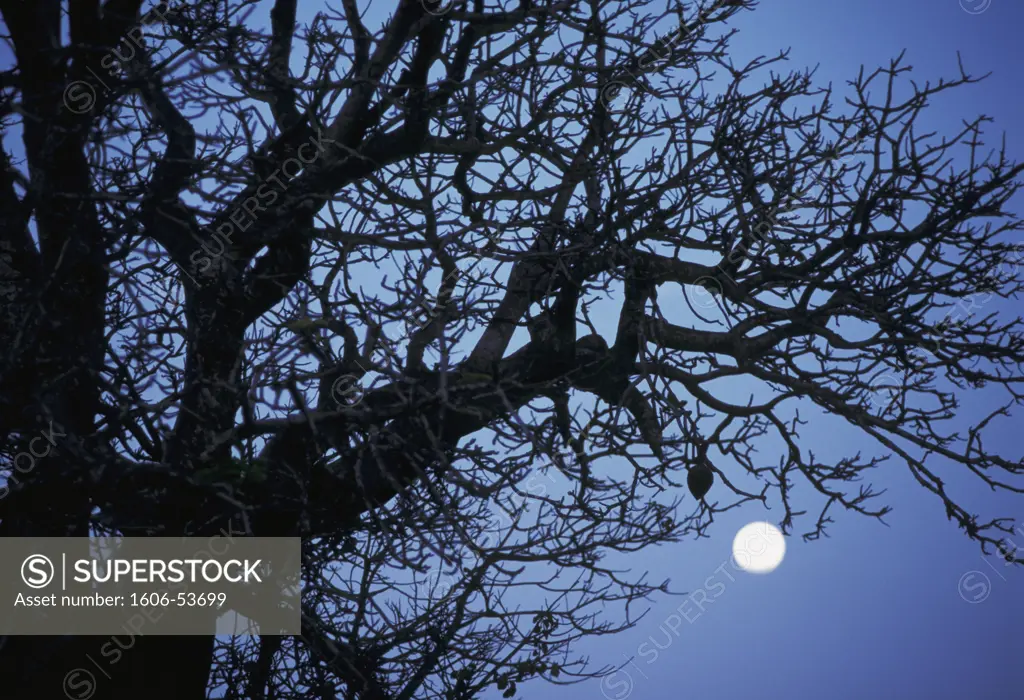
{"x":759,"y":548}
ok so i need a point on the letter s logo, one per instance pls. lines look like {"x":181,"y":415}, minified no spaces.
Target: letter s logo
{"x":37,"y":571}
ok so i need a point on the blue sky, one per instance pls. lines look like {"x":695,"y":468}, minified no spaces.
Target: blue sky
{"x":909,"y":610}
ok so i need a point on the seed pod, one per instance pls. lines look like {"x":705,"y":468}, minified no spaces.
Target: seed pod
{"x":699,"y":479}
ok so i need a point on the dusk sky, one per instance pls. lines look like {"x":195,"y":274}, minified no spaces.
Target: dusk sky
{"x":909,"y":610}
{"x":906,"y":609}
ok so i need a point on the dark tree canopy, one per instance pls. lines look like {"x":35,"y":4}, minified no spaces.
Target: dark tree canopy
{"x":476,"y":298}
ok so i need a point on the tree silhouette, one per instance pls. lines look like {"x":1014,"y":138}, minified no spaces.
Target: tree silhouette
{"x":461,"y":294}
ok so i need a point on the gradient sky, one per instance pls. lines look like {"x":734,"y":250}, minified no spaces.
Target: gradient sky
{"x":909,"y":610}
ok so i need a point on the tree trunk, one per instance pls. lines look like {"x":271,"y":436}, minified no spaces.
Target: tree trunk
{"x":122,"y":667}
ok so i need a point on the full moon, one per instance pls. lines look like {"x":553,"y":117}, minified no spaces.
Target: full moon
{"x":759,"y":548}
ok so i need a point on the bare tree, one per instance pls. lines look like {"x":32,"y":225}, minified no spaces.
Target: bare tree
{"x":462,"y":294}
